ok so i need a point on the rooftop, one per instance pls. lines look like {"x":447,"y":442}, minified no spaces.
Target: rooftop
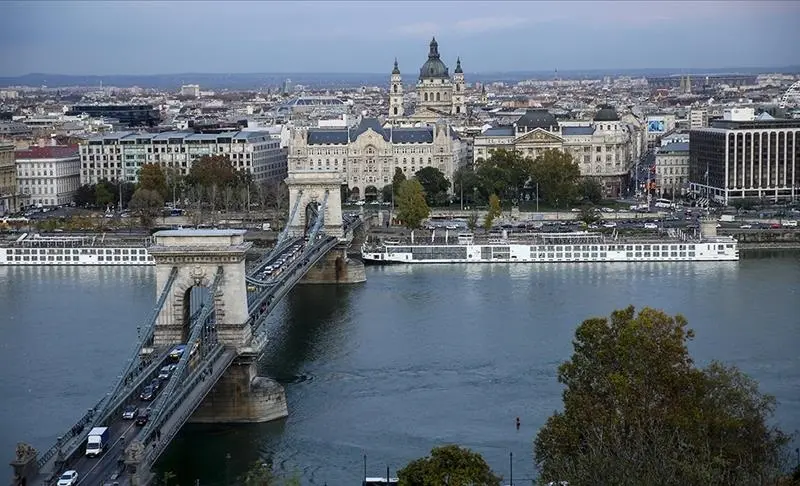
{"x":675,"y":147}
{"x":49,"y":152}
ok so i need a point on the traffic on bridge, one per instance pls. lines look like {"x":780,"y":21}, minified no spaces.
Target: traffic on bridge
{"x":177,"y":361}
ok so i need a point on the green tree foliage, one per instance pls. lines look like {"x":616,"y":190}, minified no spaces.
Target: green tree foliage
{"x":152,"y":178}
{"x":505,"y":173}
{"x":557,"y":175}
{"x":494,"y":211}
{"x":637,"y":411}
{"x":85,"y":196}
{"x":472,"y":221}
{"x":588,"y":214}
{"x":146,"y":204}
{"x":260,"y":474}
{"x":386,"y":193}
{"x":398,"y":179}
{"x":590,"y":190}
{"x":449,"y":465}
{"x":435,"y":185}
{"x":411,"y":206}
{"x":104,"y":194}
{"x":466,"y":181}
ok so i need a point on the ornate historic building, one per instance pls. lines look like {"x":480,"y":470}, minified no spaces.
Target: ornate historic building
{"x":604,"y":147}
{"x":366,"y":155}
{"x":438,"y":94}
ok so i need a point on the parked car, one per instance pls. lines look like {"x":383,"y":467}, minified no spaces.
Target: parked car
{"x":68,"y":478}
{"x":130,"y":412}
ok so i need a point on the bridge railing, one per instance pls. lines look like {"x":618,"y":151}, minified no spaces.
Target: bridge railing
{"x":182,"y":370}
{"x":135,"y":362}
{"x":200,"y":374}
{"x":76,"y":429}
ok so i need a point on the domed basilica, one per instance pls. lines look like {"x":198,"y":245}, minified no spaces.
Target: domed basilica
{"x":439,"y":95}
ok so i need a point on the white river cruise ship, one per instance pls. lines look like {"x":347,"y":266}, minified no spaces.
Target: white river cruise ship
{"x":557,"y":248}
{"x":73,"y":250}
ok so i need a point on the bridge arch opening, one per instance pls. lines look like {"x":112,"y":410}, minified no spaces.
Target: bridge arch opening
{"x":312,"y":211}
{"x":196,"y":299}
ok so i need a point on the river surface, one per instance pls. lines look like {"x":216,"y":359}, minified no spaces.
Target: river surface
{"x":415,"y":357}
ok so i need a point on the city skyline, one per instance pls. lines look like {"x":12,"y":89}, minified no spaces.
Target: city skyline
{"x":87,"y":38}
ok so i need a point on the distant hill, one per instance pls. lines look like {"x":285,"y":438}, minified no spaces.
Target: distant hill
{"x":253,"y":81}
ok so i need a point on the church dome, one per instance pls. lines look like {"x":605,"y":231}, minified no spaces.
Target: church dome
{"x":538,"y":118}
{"x":433,"y":67}
{"x":607,"y":113}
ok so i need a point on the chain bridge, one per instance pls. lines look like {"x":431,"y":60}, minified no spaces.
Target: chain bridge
{"x":213,"y":377}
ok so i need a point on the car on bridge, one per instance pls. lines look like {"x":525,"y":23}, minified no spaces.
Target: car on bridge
{"x":177,"y":351}
{"x":130,"y":412}
{"x":166,"y":371}
{"x":68,"y":478}
{"x":148,"y":394}
{"x":144,"y":416}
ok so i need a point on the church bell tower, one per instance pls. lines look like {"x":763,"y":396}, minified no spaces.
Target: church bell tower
{"x":396,"y":93}
{"x":459,"y":104}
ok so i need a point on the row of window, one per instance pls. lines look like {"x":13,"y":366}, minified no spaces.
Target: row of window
{"x":75,"y":258}
{"x":77,"y":251}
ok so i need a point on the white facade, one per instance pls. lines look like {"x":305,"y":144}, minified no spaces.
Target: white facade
{"x":119,"y":156}
{"x":698,"y":118}
{"x":605,"y":147}
{"x":366,"y":155}
{"x":192,"y":90}
{"x":48,"y":176}
{"x":672,"y":169}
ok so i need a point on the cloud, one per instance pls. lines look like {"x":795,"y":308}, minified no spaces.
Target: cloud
{"x":485,"y":24}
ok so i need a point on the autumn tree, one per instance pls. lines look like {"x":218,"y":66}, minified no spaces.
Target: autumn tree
{"x":210,"y":170}
{"x":146,"y":204}
{"x":448,"y":465}
{"x":104,"y":194}
{"x":493,"y":213}
{"x":557,"y":175}
{"x":466,"y":182}
{"x":435,"y":185}
{"x":152,"y":178}
{"x":411,"y":206}
{"x":637,"y":411}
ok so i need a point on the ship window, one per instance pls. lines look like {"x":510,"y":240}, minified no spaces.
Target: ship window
{"x":100,"y":258}
{"x":683,"y":253}
{"x":567,"y":255}
{"x":647,"y":253}
{"x":629,"y":254}
{"x":674,"y":254}
{"x":691,"y":253}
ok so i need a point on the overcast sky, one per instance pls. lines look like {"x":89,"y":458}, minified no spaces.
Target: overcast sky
{"x":152,"y":37}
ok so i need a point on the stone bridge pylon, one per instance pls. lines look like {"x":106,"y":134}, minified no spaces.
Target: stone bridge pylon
{"x":308,"y":190}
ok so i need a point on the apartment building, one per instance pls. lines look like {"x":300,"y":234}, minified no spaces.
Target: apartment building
{"x":120,"y":155}
{"x":745,"y":156}
{"x":48,"y":176}
{"x":672,"y":169}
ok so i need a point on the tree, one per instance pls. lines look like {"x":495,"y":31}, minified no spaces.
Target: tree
{"x":449,"y":465}
{"x":211,"y":170}
{"x":411,"y":206}
{"x":435,"y":185}
{"x":637,"y":411}
{"x":588,"y":214}
{"x":472,"y":221}
{"x":103,"y":193}
{"x":466,"y":182}
{"x":557,"y":175}
{"x":398,"y":179}
{"x":146,"y":204}
{"x":493,"y":212}
{"x":152,"y":178}
{"x":386,"y":193}
{"x":85,"y":196}
{"x":590,"y":190}
{"x":504,"y":173}
{"x":260,"y":474}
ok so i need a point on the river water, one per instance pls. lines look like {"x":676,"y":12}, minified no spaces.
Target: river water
{"x":415,"y":357}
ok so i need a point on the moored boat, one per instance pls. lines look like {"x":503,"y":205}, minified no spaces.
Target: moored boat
{"x":73,"y":250}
